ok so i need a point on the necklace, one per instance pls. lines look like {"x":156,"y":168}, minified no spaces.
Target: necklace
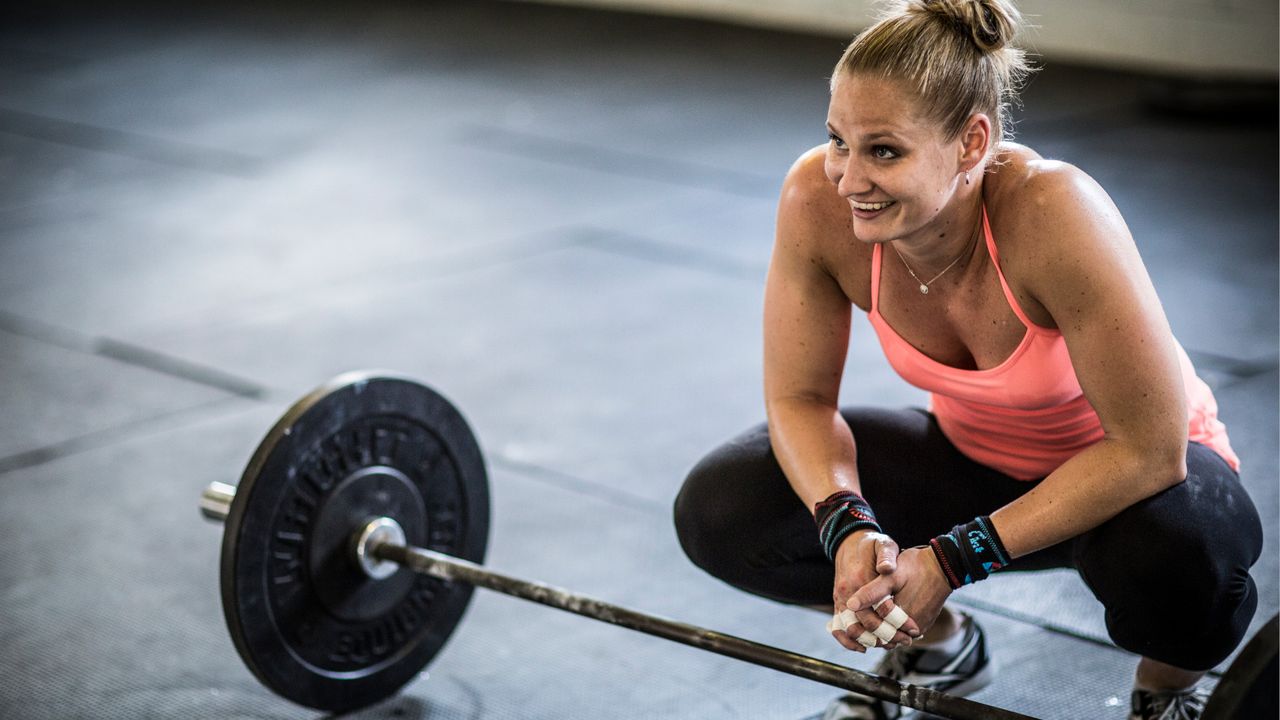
{"x":924,"y":286}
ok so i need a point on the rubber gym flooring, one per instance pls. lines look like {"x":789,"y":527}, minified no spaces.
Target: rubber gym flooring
{"x":560,"y":218}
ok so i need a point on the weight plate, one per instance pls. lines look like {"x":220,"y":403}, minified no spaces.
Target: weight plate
{"x":307,"y":621}
{"x":1249,"y":687}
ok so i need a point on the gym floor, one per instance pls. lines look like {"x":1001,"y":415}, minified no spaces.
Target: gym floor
{"x":561,"y":219}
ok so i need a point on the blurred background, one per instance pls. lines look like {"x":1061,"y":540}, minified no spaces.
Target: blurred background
{"x":560,"y":215}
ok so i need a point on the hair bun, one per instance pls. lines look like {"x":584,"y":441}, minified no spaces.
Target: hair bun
{"x":991,"y":24}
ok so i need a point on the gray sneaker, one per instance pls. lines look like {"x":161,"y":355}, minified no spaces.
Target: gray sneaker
{"x":1174,"y":705}
{"x":962,"y":673}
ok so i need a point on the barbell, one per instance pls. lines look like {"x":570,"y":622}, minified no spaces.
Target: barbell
{"x":353,"y":542}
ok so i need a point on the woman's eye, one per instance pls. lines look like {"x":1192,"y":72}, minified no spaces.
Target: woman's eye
{"x":836,"y":141}
{"x":883,"y":152}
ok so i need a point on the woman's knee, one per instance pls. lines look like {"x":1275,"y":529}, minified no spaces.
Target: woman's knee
{"x":711,"y":508}
{"x":1173,"y":570}
{"x":699,"y":521}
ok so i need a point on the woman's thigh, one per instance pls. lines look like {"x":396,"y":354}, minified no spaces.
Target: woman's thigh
{"x":917,"y":482}
{"x":1180,"y":554}
{"x":738,"y":518}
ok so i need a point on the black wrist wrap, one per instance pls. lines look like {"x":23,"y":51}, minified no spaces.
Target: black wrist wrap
{"x":839,"y":515}
{"x":970,"y":552}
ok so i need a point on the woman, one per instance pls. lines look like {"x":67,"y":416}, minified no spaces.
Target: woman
{"x":1067,"y":427}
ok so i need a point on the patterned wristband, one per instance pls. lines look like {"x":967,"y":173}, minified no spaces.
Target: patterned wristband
{"x":839,"y":516}
{"x":970,"y":552}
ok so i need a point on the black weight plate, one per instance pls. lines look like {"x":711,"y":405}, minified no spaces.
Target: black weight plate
{"x":1249,"y":689}
{"x":306,"y":621}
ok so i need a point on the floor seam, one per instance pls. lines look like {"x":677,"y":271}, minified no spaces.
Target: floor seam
{"x":572,"y":483}
{"x":585,"y":156}
{"x":174,"y":153}
{"x":104,"y":437}
{"x":131,"y":354}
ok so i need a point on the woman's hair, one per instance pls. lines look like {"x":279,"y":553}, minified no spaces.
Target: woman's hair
{"x":955,"y":54}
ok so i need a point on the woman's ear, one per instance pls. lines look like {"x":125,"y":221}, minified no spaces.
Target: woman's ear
{"x":975,"y":140}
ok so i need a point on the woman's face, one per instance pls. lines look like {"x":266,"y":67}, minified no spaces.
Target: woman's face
{"x":892,"y":165}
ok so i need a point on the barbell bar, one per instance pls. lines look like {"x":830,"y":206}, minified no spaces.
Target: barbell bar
{"x":369,"y":541}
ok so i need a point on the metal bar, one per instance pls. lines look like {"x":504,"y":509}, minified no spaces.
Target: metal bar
{"x":215,"y":504}
{"x":450,"y":568}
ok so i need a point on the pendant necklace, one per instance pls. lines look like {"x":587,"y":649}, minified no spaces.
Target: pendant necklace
{"x":924,"y":286}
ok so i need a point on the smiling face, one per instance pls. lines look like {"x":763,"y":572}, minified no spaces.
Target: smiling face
{"x":899,"y":173}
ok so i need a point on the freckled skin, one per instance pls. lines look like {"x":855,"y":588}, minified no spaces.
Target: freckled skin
{"x":1070,"y":262}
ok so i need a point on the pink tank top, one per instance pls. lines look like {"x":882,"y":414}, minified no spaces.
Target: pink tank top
{"x":1027,"y":415}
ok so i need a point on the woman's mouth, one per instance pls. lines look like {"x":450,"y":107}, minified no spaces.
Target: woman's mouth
{"x":869,"y":210}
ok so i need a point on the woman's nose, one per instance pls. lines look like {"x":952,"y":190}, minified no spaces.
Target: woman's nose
{"x":850,"y":179}
{"x":848,"y":187}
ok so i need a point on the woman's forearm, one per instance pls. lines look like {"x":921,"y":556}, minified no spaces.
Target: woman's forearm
{"x":1085,"y":492}
{"x":814,"y":446}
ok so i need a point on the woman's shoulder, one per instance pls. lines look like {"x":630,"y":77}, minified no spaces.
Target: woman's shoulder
{"x":809,"y":196}
{"x":1029,"y":198}
{"x":815,"y":222}
{"x":1048,"y":217}
{"x":1020,"y":178}
{"x":810,"y":209}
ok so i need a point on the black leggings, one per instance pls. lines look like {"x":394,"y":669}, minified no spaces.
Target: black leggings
{"x":1171,"y":570}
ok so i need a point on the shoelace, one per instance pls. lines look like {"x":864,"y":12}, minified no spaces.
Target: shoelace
{"x":1181,"y":706}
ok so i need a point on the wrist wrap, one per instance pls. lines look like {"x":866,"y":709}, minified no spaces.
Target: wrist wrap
{"x":840,"y":515}
{"x":970,"y":552}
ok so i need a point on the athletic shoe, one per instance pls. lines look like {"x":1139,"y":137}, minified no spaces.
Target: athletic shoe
{"x":961,"y":673}
{"x":1174,"y":705}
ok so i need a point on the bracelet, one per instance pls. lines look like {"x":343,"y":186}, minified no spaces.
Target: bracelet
{"x":840,"y":515}
{"x":970,"y":552}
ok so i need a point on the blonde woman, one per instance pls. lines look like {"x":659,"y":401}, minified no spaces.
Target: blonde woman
{"x":1066,"y":428}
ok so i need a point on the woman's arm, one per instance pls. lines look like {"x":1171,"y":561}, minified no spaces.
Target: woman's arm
{"x":1077,"y":260}
{"x":1075,"y":265}
{"x":806,"y":336}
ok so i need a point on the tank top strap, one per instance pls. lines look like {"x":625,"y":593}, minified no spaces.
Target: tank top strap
{"x":875,"y":277}
{"x":1004,"y":284}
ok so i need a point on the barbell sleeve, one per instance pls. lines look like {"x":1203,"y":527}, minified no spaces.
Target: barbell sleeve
{"x":215,"y":501}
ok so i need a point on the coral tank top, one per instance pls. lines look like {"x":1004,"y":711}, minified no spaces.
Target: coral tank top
{"x":1028,"y":415}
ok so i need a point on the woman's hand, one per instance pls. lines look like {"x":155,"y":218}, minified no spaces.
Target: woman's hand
{"x":917,"y":585}
{"x":863,"y":558}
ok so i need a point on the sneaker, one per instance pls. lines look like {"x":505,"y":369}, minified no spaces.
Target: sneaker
{"x":1173,"y":705}
{"x":960,"y":673}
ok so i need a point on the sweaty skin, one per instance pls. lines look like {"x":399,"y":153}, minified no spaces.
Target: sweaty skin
{"x":1070,"y":261}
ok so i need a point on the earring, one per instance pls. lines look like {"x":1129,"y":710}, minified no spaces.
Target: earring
{"x":966,"y":177}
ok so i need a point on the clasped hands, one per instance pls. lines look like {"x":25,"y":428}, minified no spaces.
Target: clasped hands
{"x":884,"y":597}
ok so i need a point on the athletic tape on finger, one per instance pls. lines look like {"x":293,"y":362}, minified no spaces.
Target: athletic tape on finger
{"x":882,"y":601}
{"x":896,"y":617}
{"x":885,"y":632}
{"x":847,"y":619}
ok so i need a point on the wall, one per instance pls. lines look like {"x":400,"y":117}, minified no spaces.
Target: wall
{"x":1202,"y":38}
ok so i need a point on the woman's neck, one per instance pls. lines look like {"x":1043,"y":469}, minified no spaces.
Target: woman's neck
{"x":955,"y":232}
